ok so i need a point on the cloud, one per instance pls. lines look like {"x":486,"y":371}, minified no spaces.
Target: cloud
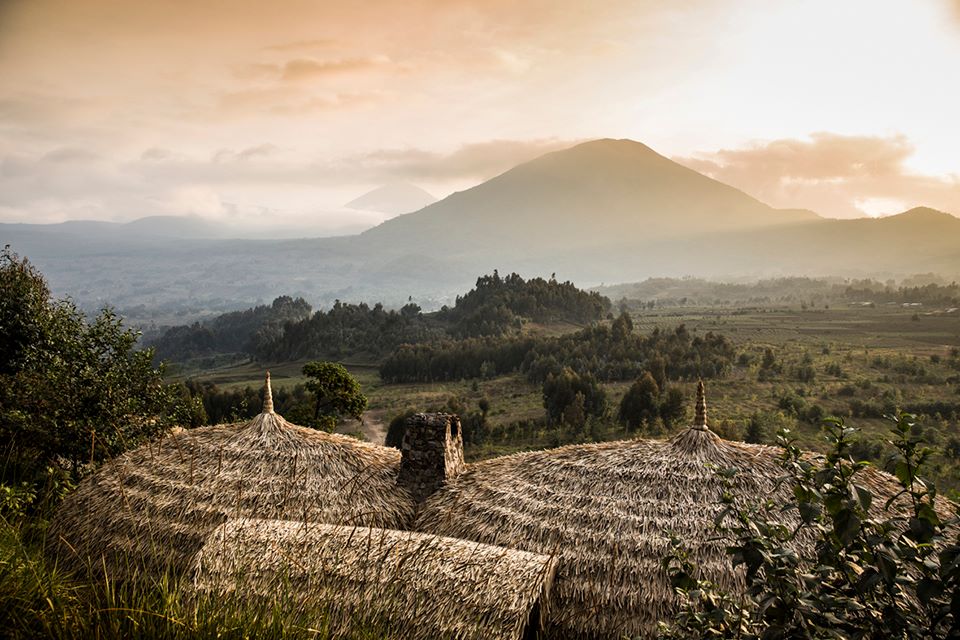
{"x":285,"y":101}
{"x":835,"y":175}
{"x":302,"y":45}
{"x":304,"y":69}
{"x":155,"y":153}
{"x":73,"y":182}
{"x":250,"y":153}
{"x":68,"y":155}
{"x":480,"y":161}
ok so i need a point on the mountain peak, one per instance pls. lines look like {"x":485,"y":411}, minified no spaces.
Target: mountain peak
{"x":926,"y":213}
{"x":598,"y":192}
{"x":393,"y":199}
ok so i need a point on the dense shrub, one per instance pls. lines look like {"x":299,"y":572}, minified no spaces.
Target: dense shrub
{"x":72,"y":392}
{"x":894,"y":576}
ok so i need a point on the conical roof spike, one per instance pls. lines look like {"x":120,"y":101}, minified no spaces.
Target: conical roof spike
{"x":700,"y":419}
{"x":267,"y":396}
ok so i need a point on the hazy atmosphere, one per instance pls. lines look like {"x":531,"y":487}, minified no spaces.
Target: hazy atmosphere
{"x":480,"y":319}
{"x":273,"y":115}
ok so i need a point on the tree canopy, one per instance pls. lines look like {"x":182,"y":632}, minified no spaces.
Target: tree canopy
{"x":72,"y":392}
{"x":337,"y":394}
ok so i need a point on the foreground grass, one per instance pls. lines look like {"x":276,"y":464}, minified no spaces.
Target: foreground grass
{"x":38,"y":600}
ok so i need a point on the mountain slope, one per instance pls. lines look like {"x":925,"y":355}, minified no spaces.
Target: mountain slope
{"x":607,"y":211}
{"x":393,"y":199}
{"x":593,"y":194}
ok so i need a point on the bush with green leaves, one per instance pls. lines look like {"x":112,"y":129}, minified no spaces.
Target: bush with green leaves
{"x":72,"y":392}
{"x":570,"y":398}
{"x":336,"y":394}
{"x":894,"y":575}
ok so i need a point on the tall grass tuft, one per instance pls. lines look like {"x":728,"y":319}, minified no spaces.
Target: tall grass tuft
{"x":38,"y":600}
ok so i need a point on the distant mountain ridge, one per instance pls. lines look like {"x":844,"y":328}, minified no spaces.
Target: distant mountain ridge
{"x":600,"y":212}
{"x":191,"y":226}
{"x":393,"y":199}
{"x":621,"y":187}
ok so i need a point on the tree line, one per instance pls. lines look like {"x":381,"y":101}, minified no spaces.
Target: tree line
{"x":288,"y":329}
{"x":610,"y":353}
{"x":234,"y":332}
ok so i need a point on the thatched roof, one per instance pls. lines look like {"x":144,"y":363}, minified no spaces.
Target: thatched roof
{"x":154,"y":506}
{"x":607,"y":511}
{"x":409,"y":585}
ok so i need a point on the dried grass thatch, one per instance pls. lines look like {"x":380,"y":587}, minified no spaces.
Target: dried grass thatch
{"x":607,"y":511}
{"x":153,"y":507}
{"x":408,"y":585}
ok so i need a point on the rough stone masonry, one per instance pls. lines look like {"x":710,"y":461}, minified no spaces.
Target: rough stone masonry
{"x":431,"y":453}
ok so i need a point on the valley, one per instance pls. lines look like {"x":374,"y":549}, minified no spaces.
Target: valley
{"x":857,"y":362}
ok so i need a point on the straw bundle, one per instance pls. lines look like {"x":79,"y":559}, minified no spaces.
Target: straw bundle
{"x":408,"y":585}
{"x":152,"y":507}
{"x":607,"y":511}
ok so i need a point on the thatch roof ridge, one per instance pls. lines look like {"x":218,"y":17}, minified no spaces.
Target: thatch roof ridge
{"x":414,"y":585}
{"x":700,"y":413}
{"x":152,"y":506}
{"x":608,"y":510}
{"x":267,"y":396}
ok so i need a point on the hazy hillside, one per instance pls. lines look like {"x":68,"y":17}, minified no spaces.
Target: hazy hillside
{"x":601,"y":212}
{"x":393,"y":199}
{"x":595,"y":194}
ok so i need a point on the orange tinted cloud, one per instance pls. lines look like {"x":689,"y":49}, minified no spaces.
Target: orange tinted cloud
{"x":362,"y":91}
{"x":478,"y":161}
{"x":835,"y":175}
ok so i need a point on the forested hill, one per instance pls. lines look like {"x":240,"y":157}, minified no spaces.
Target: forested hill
{"x":287,"y":330}
{"x":234,"y":332}
{"x":496,"y":304}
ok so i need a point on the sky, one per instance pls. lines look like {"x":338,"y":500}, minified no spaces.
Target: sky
{"x":275,"y":114}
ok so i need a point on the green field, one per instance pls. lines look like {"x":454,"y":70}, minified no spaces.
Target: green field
{"x":885,"y":354}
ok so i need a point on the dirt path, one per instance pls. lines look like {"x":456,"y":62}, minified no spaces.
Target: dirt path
{"x":373,"y":427}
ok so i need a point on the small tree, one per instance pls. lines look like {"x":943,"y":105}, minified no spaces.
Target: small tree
{"x":336,"y":393}
{"x":769,"y":359}
{"x":673,"y":407}
{"x":560,"y":397}
{"x":641,"y":404}
{"x":71,"y":392}
{"x":757,"y":429}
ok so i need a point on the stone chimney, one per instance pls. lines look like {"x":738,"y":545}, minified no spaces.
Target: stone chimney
{"x":431,"y":453}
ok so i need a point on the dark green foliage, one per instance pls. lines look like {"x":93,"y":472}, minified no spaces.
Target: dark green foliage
{"x":456,"y":360}
{"x":641,"y":403}
{"x":895,"y":575}
{"x":234,"y":332}
{"x":570,"y":398}
{"x":673,"y":407}
{"x":758,"y":429}
{"x":397,"y":428}
{"x":336,"y":393}
{"x":599,"y":350}
{"x":71,"y":392}
{"x":797,"y":405}
{"x":242,"y":403}
{"x":769,"y":360}
{"x":347,"y":330}
{"x":287,"y":331}
{"x":952,"y":448}
{"x":498,"y":305}
{"x":622,"y":327}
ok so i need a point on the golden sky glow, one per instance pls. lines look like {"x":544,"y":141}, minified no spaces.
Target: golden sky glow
{"x":279,"y":112}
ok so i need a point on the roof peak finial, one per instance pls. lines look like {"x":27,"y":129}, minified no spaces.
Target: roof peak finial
{"x":700,"y":419}
{"x":267,"y":396}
